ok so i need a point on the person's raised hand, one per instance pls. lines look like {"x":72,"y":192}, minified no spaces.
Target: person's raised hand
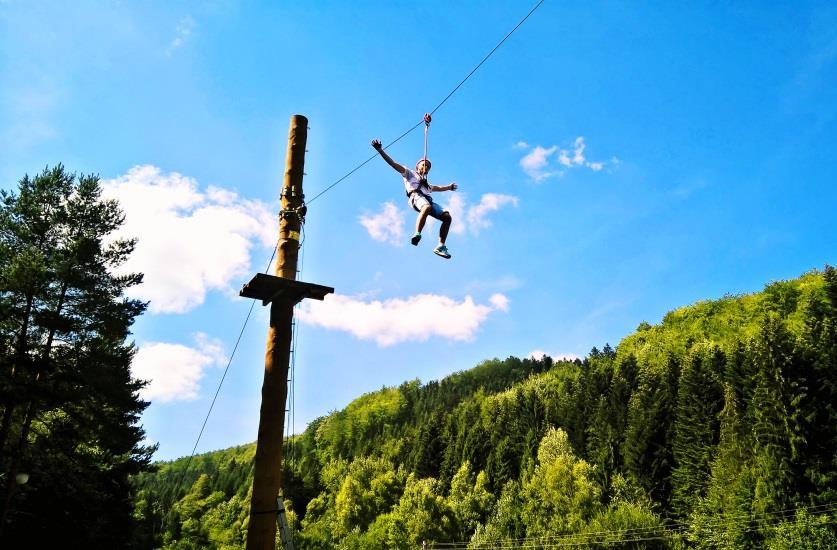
{"x":453,"y":186}
{"x":376,"y":143}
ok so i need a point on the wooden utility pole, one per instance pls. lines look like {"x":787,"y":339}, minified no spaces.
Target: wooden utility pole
{"x":282,"y":292}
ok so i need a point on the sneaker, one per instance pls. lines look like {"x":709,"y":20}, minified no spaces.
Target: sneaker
{"x":416,"y":238}
{"x":442,"y":251}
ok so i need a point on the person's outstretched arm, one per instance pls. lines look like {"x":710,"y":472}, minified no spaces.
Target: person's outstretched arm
{"x":378,"y":147}
{"x":451,"y":187}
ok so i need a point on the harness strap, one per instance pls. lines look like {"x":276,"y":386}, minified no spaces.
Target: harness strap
{"x":426,"y":129}
{"x":420,"y":192}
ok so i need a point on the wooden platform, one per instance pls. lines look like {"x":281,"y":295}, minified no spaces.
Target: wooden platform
{"x":269,"y":288}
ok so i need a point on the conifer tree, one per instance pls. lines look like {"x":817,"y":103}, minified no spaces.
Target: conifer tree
{"x":647,"y":446}
{"x":699,"y":400}
{"x":819,"y":410}
{"x":69,"y":405}
{"x":720,"y":519}
{"x":774,"y":443}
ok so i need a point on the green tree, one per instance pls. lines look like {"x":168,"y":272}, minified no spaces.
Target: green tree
{"x":805,"y":531}
{"x":422,"y":514}
{"x":371,"y":487}
{"x":647,"y":447}
{"x":774,"y":443}
{"x":719,"y":520}
{"x":562,"y":494}
{"x":699,"y":400}
{"x":470,"y":500}
{"x":70,"y":407}
{"x":505,"y":521}
{"x":818,"y":343}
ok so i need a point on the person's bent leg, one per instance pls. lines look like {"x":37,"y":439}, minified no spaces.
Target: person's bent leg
{"x":422,"y":218}
{"x":443,"y":231}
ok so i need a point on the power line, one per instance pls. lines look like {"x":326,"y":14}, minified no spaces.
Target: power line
{"x":436,"y":108}
{"x":575,"y":539}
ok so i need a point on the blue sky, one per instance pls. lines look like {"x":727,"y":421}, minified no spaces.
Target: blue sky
{"x":615,"y":161}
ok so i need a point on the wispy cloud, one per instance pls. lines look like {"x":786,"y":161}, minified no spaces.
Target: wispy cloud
{"x":190,"y":241}
{"x":474,"y":218}
{"x":183,"y":31}
{"x":393,"y":321}
{"x":174,"y":371}
{"x":536,"y":163}
{"x":490,"y":202}
{"x":387,"y":226}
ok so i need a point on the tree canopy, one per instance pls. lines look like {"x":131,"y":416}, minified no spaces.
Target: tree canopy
{"x":69,"y":408}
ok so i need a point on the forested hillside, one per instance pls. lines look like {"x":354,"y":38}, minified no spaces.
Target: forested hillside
{"x":714,"y":429}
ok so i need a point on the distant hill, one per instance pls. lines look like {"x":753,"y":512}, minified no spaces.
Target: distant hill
{"x":715,"y":428}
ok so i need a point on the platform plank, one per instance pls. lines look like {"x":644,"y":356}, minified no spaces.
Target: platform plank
{"x":269,"y":288}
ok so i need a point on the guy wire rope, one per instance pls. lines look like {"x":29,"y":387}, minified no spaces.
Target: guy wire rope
{"x":218,"y":390}
{"x":396,"y":140}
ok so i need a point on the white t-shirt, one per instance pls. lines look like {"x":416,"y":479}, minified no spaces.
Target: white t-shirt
{"x":413,"y":181}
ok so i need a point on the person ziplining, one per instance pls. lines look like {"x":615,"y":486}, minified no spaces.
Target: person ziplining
{"x":418,"y":191}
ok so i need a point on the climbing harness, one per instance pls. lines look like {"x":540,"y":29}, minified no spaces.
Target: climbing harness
{"x":427,"y":122}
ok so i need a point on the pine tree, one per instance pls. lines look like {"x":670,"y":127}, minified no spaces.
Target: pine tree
{"x":699,"y":400}
{"x":720,"y":518}
{"x":647,"y":446}
{"x":70,"y":406}
{"x":819,"y":408}
{"x":775,"y":444}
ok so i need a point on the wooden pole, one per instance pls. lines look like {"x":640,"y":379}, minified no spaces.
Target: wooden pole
{"x":267,"y":478}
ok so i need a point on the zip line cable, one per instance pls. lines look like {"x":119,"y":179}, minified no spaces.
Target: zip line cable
{"x":436,"y":108}
{"x":355,"y":169}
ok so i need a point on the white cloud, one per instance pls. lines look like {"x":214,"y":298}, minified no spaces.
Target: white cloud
{"x":520,"y":145}
{"x":500,"y":302}
{"x":414,"y":319}
{"x":490,"y":202}
{"x":474,"y":218}
{"x":386,"y":226}
{"x":578,"y":150}
{"x":174,"y":371}
{"x":189,"y":242}
{"x":456,"y":207}
{"x":183,"y":31}
{"x":534,"y":163}
{"x":540,"y":354}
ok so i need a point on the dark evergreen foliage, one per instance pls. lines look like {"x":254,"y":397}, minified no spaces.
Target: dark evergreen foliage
{"x":70,"y":408}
